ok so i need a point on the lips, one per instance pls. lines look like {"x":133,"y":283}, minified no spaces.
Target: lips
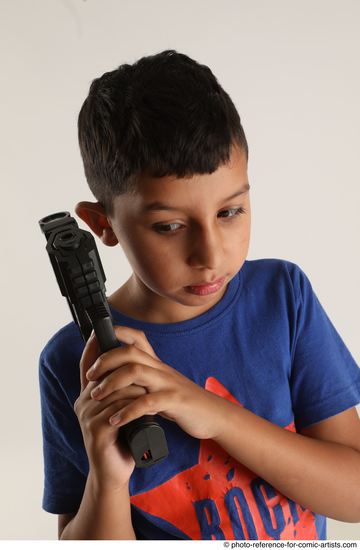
{"x":206,"y":288}
{"x":207,"y":283}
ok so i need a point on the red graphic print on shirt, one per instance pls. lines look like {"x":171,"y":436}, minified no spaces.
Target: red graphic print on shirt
{"x":220,"y":499}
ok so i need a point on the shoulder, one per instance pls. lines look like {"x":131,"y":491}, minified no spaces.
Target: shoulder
{"x":60,"y":356}
{"x":268,"y":267}
{"x":66,"y":342}
{"x":274,"y":274}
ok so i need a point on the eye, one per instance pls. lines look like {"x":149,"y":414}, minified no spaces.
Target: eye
{"x":167,"y":227}
{"x":174,"y":227}
{"x":231,"y":212}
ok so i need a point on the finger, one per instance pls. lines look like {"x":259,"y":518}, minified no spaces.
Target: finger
{"x":150,"y":379}
{"x":91,"y":407}
{"x":118,"y":357}
{"x":107,"y":393}
{"x":113,"y":402}
{"x":149,"y":404}
{"x":133,"y":336}
{"x":101,"y":415}
{"x":90,"y":353}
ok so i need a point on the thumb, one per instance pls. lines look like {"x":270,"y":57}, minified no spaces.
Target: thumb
{"x":136,"y":337}
{"x":89,"y":355}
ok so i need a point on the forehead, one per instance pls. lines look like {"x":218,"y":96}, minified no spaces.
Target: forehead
{"x":187,"y":193}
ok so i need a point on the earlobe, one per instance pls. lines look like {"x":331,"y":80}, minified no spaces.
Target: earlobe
{"x":108,"y":237}
{"x":93,"y":214}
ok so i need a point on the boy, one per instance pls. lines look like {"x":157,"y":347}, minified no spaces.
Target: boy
{"x":252,"y":384}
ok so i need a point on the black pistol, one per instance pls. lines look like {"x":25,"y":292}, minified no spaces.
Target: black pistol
{"x":81,"y":278}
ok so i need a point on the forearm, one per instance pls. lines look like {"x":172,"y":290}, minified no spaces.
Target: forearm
{"x":104,"y":514}
{"x":319,"y":475}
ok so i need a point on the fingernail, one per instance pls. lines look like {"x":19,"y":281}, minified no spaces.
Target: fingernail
{"x":115,"y":419}
{"x":90,"y":373}
{"x":96,"y":391}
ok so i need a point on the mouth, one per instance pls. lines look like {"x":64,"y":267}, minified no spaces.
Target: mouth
{"x":204,"y":289}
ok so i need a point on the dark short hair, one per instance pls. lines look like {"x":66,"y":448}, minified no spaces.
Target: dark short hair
{"x":165,"y":115}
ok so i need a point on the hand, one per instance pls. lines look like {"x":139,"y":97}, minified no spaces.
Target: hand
{"x":110,"y":463}
{"x":137,"y":383}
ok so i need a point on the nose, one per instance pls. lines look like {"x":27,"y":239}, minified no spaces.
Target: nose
{"x":205,"y":248}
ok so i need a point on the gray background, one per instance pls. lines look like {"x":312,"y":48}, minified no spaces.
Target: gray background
{"x":292,"y":70}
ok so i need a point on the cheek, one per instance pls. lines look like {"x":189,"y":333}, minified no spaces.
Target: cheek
{"x":236,"y":248}
{"x":151,"y":257}
{"x":158,"y":270}
{"x":149,"y":254}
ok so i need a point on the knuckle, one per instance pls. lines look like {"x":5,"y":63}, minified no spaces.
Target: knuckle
{"x":136,"y":369}
{"x":98,"y":365}
{"x":181,"y":399}
{"x":79,"y":405}
{"x":132,"y":350}
{"x":87,"y":424}
{"x":105,"y":385}
{"x":80,"y":413}
{"x":149,"y":400}
{"x":82,"y":407}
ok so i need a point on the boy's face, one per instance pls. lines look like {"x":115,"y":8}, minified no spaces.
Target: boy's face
{"x":178,"y":234}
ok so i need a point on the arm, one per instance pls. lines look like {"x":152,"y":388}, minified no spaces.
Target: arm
{"x":319,"y":469}
{"x":104,"y":514}
{"x":105,"y":510}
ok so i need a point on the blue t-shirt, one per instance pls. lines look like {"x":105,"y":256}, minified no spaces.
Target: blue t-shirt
{"x":267,"y":345}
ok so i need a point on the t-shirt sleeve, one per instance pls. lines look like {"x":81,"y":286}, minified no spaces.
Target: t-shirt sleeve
{"x":325,"y":379}
{"x":64,"y":483}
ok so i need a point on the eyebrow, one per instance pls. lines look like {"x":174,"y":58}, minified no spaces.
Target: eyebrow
{"x":154,"y":206}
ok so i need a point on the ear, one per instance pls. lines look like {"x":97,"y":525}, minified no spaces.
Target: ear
{"x":93,"y":214}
